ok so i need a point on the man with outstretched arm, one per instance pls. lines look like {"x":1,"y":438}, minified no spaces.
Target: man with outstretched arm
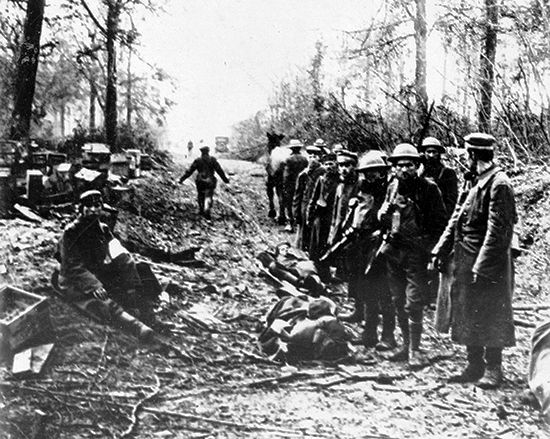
{"x":206,"y":167}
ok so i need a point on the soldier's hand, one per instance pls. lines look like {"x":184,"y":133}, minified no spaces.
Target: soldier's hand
{"x":438,"y":263}
{"x":100,"y":293}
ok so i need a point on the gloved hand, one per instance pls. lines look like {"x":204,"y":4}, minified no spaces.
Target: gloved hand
{"x":100,"y":293}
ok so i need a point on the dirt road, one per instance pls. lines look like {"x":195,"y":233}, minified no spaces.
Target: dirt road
{"x":98,"y":377}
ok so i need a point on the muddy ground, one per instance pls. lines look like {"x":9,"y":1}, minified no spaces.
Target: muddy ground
{"x":101,"y":383}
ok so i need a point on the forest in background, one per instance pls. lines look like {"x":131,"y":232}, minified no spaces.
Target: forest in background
{"x":491,"y":60}
{"x":79,"y":60}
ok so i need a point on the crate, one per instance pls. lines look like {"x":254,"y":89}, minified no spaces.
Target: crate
{"x":23,"y":316}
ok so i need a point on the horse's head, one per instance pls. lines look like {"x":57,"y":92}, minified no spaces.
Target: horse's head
{"x":273,"y":140}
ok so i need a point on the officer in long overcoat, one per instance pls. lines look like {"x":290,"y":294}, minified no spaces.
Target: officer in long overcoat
{"x":319,"y":212}
{"x":479,"y":237}
{"x":305,"y":184}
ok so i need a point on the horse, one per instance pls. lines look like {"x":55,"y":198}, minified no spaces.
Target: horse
{"x":276,"y":157}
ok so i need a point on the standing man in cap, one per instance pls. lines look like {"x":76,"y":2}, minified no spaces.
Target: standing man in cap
{"x":99,"y":276}
{"x":321,"y":144}
{"x":319,"y":213}
{"x":292,"y":167}
{"x":206,"y":167}
{"x":442,"y":175}
{"x":368,"y":282}
{"x":479,"y":237}
{"x":303,"y":192}
{"x":347,"y":189}
{"x":414,"y":214}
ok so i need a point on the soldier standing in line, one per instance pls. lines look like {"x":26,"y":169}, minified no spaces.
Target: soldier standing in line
{"x":319,"y":213}
{"x":305,"y":184}
{"x":415,"y":216}
{"x":447,"y":182}
{"x":368,"y":280}
{"x":347,"y":188}
{"x":442,"y":175}
{"x":478,"y":238}
{"x":206,"y":167}
{"x":292,"y":167}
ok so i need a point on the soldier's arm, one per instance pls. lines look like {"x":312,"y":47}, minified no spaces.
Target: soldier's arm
{"x":220,"y":172}
{"x":298,"y":195}
{"x":310,"y":210}
{"x":190,"y":171}
{"x":500,"y":228}
{"x":451,"y":193}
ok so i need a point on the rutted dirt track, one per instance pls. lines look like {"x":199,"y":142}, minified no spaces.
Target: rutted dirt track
{"x":97,"y":376}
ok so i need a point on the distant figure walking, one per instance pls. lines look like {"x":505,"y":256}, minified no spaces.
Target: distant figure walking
{"x":206,"y":167}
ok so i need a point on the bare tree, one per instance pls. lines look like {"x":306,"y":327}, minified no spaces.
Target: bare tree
{"x":27,"y":65}
{"x":487,"y":63}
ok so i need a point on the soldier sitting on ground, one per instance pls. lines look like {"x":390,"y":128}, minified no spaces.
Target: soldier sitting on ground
{"x":100,"y":277}
{"x":293,"y":266}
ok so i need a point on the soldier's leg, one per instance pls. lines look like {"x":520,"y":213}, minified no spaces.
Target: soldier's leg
{"x":397,"y":284}
{"x":416,"y":292}
{"x":372,"y":316}
{"x":200,"y":200}
{"x":474,"y":369}
{"x":208,"y":201}
{"x":492,"y":378}
{"x":379,"y":283}
{"x":270,"y":194}
{"x":355,"y":291}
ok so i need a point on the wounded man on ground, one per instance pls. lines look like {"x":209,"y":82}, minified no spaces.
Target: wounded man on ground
{"x":100,"y":277}
{"x":293,"y":266}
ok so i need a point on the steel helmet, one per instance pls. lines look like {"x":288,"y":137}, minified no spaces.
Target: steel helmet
{"x":404,"y":151}
{"x":372,"y":160}
{"x":433,"y":142}
{"x":480,"y":142}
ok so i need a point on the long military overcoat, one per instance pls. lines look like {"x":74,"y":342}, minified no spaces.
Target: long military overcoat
{"x":479,"y":234}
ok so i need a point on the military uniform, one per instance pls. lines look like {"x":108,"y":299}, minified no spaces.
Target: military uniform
{"x":415,"y":215}
{"x":207,"y":167}
{"x":479,"y":237}
{"x":319,"y":215}
{"x":293,"y":165}
{"x":305,"y":185}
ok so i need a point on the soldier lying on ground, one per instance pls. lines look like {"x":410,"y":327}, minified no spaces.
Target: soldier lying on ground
{"x":293,"y":266}
{"x":304,"y":329}
{"x":100,"y":277}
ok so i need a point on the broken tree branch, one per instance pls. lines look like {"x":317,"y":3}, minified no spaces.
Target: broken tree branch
{"x":132,"y":427}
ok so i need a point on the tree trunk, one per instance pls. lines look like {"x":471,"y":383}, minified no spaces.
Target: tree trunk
{"x":111,"y":113}
{"x":62,"y":119}
{"x":487,"y":63}
{"x":27,"y":65}
{"x":420,"y":38}
{"x":129,"y":90}
{"x":93,"y":97}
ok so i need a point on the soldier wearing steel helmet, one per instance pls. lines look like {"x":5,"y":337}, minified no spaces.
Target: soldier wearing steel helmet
{"x":368,"y":281}
{"x":415,"y":216}
{"x":478,"y":237}
{"x":442,"y":175}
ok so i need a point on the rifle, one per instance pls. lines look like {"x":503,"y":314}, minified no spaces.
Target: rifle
{"x":337,"y":247}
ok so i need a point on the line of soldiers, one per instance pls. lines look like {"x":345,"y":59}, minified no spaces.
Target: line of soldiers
{"x":385,"y":222}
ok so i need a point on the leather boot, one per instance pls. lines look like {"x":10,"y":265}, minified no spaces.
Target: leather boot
{"x":492,"y":378}
{"x":402,"y":353}
{"x":474,"y":369}
{"x":417,"y":359}
{"x":387,"y":342}
{"x":129,"y":323}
